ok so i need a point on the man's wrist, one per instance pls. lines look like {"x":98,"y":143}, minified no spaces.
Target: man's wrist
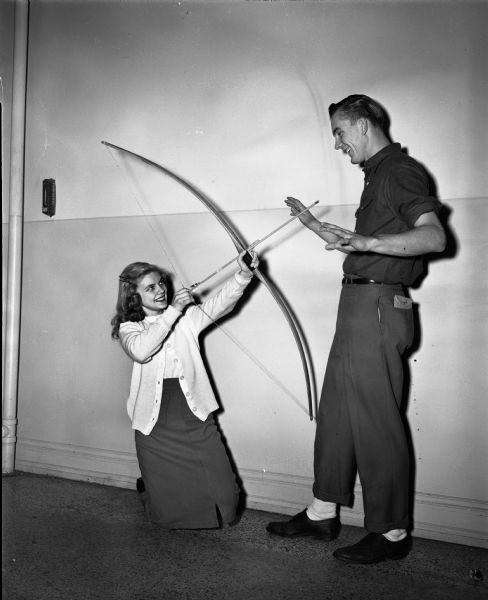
{"x":314,"y":225}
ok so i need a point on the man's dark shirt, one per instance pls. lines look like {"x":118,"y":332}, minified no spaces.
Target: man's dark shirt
{"x":396,"y":193}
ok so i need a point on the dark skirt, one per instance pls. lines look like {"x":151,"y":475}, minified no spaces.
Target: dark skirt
{"x":185,"y":468}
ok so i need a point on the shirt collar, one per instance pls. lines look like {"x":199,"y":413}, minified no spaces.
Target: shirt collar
{"x":372,"y":163}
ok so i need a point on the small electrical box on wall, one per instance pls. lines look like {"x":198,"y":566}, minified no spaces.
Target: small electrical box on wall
{"x":49,"y":197}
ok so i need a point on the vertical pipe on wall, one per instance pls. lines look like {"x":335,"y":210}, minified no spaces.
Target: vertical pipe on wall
{"x":15,"y":231}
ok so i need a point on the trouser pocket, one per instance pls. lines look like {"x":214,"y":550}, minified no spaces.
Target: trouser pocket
{"x":395,"y":316}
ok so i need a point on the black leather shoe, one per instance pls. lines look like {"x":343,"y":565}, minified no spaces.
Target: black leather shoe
{"x":374,"y":548}
{"x":300,"y":526}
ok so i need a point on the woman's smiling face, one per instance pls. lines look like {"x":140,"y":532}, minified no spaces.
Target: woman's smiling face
{"x":153,"y":293}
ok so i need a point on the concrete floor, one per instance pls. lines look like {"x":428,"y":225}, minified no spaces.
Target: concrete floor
{"x":71,"y":540}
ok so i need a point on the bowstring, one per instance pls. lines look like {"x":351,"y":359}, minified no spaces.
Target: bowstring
{"x":219,"y":326}
{"x":147,"y":220}
{"x":254,"y":359}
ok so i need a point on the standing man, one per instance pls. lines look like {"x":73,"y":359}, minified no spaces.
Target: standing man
{"x":359,"y":424}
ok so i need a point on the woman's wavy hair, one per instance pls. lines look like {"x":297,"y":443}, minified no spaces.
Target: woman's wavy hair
{"x":129,"y":302}
{"x":359,"y":106}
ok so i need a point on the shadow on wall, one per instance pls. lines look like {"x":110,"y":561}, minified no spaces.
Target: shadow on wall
{"x":450,"y":252}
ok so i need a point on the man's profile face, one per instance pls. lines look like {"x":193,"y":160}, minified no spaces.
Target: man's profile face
{"x":349,"y":137}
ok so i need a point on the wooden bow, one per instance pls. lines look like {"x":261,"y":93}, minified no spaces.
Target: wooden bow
{"x":240,"y":245}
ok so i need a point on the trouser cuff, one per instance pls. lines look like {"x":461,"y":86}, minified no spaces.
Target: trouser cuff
{"x":343,"y":499}
{"x":385,"y":527}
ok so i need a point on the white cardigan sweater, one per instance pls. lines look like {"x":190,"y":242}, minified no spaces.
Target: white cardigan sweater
{"x":149,"y":342}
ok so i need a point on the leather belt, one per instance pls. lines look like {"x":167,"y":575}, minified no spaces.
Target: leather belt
{"x":360,"y":281}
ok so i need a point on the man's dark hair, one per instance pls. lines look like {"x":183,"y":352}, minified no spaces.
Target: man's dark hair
{"x":360,"y":106}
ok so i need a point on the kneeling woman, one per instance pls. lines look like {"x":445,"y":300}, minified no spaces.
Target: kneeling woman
{"x":187,"y":480}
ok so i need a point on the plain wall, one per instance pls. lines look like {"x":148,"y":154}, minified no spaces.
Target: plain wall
{"x":233,"y":96}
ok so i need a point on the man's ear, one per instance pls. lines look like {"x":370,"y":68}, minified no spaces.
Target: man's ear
{"x":363,"y":125}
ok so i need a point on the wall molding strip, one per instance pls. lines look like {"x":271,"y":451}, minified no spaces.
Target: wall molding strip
{"x":437,"y":517}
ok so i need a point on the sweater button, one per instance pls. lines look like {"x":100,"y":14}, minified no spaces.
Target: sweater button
{"x":194,"y":409}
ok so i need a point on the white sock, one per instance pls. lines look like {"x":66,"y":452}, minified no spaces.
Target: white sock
{"x":395,"y":535}
{"x":320,"y":510}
